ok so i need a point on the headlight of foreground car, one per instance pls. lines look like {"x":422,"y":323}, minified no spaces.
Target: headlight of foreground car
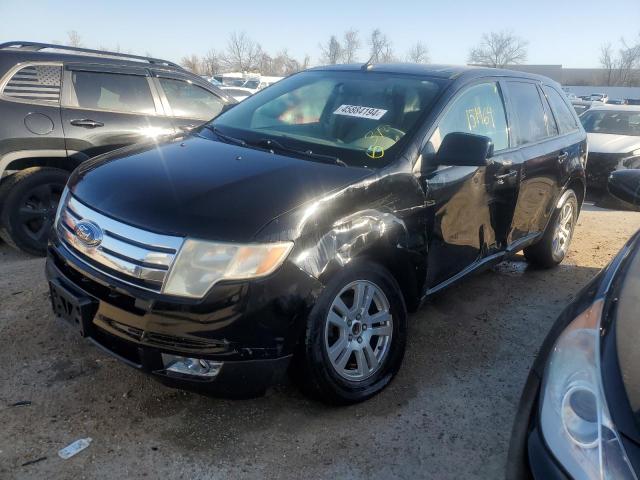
{"x":575,"y":419}
{"x":199,"y":265}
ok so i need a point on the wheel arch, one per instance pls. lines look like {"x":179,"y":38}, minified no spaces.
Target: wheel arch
{"x":23,"y":159}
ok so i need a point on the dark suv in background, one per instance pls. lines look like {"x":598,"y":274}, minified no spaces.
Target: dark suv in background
{"x":62,"y":105}
{"x":304,"y":222}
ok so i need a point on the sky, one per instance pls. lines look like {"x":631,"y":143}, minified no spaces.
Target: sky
{"x":567,"y":32}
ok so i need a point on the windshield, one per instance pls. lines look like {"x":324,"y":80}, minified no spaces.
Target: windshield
{"x":251,"y":84}
{"x":358,"y":117}
{"x":611,"y":121}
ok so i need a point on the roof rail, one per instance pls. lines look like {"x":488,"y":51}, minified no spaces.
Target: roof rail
{"x":36,"y":47}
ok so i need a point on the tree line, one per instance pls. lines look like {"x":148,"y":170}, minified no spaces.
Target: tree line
{"x":495,"y":49}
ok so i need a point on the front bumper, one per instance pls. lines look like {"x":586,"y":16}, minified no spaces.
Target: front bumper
{"x":252,"y":327}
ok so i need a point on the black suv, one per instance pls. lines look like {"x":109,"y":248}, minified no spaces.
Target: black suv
{"x":306,"y":220}
{"x":62,"y":105}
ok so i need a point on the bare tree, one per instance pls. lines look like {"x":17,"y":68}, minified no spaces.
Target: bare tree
{"x":418,"y":53}
{"x":498,"y":49}
{"x":73,"y":39}
{"x":242,"y":54}
{"x":622,"y":68}
{"x":381,"y":50}
{"x":350,"y":46}
{"x":192,"y":63}
{"x":211,"y":63}
{"x":608,"y":63}
{"x":331,"y":51}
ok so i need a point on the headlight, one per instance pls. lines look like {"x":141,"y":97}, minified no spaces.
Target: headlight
{"x":574,"y":418}
{"x":201,"y":264}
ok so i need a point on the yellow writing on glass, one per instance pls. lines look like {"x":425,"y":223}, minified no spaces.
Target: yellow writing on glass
{"x":480,"y":117}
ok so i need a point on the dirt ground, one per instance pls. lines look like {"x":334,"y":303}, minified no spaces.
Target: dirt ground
{"x":448,"y":414}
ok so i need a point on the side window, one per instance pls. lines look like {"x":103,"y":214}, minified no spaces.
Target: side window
{"x":191,"y":101}
{"x":564,"y":117}
{"x":478,"y":110}
{"x":35,"y":83}
{"x":113,"y":91}
{"x":530,"y":120}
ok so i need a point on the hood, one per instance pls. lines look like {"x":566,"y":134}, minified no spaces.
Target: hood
{"x":203,"y":188}
{"x":609,"y":143}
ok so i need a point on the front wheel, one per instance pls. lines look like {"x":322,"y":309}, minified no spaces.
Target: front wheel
{"x":551,"y":249}
{"x":355,"y":337}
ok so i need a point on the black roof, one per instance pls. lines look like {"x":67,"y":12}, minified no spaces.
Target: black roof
{"x":439,"y":71}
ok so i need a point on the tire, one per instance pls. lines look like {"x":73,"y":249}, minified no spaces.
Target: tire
{"x":360,"y":378}
{"x":28,"y":203}
{"x":551,"y":249}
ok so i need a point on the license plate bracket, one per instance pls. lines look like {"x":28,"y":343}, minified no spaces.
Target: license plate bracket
{"x":76,"y":309}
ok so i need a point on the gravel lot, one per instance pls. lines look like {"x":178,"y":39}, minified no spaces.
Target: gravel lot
{"x":448,"y":414}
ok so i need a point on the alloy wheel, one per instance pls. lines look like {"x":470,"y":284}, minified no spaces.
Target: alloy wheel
{"x":564,"y":231}
{"x":358,"y":330}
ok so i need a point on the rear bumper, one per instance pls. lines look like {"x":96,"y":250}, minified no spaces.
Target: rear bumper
{"x":251,"y":328}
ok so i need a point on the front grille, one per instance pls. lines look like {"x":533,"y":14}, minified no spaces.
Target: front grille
{"x":600,"y":166}
{"x":130,"y":254}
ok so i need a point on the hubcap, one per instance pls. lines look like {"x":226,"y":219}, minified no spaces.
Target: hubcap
{"x":37,"y":211}
{"x":358,"y":330}
{"x":564,"y":230}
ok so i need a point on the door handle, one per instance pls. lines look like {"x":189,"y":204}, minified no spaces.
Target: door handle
{"x":86,"y":123}
{"x":563,"y":156}
{"x":502,"y":178}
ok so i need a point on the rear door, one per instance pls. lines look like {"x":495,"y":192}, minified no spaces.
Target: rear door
{"x":541,"y":154}
{"x":188,"y":102}
{"x":105,"y":108}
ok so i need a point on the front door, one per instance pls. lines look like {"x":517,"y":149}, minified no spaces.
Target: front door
{"x":187,"y":103}
{"x":461,"y":208}
{"x":104,"y":109}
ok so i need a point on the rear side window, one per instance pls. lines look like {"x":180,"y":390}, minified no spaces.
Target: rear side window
{"x":113,"y":91}
{"x":565,"y":119}
{"x":35,"y":83}
{"x":478,"y":110}
{"x":191,"y":101}
{"x":530,"y":119}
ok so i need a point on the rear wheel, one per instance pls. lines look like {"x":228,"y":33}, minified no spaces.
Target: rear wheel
{"x":28,"y":203}
{"x":355,"y":337}
{"x":551,"y":249}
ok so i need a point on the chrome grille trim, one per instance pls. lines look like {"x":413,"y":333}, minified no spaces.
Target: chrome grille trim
{"x":132,"y":253}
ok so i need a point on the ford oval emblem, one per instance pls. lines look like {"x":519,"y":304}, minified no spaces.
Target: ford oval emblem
{"x":88,"y":233}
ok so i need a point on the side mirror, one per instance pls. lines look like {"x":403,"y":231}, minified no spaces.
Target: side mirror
{"x":625,"y":185}
{"x":464,"y":150}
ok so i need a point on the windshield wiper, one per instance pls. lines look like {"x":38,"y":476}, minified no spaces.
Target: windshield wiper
{"x":226,"y":138}
{"x":274,"y":145}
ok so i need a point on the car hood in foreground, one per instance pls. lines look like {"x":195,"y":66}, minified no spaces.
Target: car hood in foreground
{"x":203,"y":188}
{"x":609,"y":143}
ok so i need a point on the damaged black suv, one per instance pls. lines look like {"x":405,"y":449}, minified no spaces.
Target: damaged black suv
{"x":304,"y":222}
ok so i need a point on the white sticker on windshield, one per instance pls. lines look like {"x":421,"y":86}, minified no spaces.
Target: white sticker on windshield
{"x":360,"y":112}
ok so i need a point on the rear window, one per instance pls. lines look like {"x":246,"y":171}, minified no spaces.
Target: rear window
{"x":530,"y":119}
{"x":616,"y":122}
{"x":39,"y":83}
{"x":565,"y":119}
{"x":113,"y":91}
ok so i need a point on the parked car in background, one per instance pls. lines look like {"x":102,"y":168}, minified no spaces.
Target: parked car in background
{"x":304,"y":222}
{"x":614,"y":141}
{"x":617,"y":102}
{"x":581,"y":106}
{"x":63,"y":105}
{"x":597,"y":97}
{"x":579,"y":415}
{"x":238,"y":93}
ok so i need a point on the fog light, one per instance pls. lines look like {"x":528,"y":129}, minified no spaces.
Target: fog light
{"x":195,"y":367}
